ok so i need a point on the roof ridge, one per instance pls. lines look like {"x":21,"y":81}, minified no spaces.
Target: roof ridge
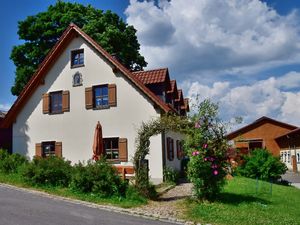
{"x":145,"y":71}
{"x":232,"y":135}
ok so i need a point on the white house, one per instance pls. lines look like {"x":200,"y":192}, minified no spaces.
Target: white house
{"x":79,"y":84}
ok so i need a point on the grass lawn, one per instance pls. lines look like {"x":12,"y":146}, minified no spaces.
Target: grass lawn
{"x":243,"y":202}
{"x":132,"y":200}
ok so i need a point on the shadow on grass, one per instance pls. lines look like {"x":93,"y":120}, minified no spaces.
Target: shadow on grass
{"x":236,"y":199}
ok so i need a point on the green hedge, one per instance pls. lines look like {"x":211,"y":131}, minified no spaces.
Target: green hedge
{"x":11,"y":163}
{"x":99,"y":177}
{"x":52,"y":171}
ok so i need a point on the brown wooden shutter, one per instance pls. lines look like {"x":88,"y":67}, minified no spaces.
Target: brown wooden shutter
{"x":38,"y":150}
{"x":112,"y":95}
{"x":46,"y":103}
{"x":123,"y":152}
{"x":178,"y":149}
{"x":168,"y":148}
{"x":66,"y":101}
{"x":172,"y":152}
{"x":89,"y":98}
{"x":58,"y":149}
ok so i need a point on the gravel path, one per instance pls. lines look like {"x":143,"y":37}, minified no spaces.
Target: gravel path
{"x":167,"y":204}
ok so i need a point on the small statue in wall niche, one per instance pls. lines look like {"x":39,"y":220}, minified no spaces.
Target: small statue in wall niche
{"x":77,"y":79}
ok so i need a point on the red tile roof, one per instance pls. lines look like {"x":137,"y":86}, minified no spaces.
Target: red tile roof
{"x":173,"y":86}
{"x":160,"y":76}
{"x":152,"y":76}
{"x":179,"y":95}
{"x":186,"y":105}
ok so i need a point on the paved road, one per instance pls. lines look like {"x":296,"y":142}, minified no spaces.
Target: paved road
{"x":19,"y":207}
{"x":293,"y":178}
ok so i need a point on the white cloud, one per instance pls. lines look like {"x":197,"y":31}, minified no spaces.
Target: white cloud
{"x":5,"y":107}
{"x":290,"y":80}
{"x":196,"y":37}
{"x":263,"y":98}
{"x":290,"y":110}
{"x":220,"y":50}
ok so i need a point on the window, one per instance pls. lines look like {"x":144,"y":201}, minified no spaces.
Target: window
{"x":100,"y":96}
{"x":298,"y":157}
{"x":289,"y":157}
{"x":48,"y":149}
{"x":253,"y":144}
{"x":77,"y":58}
{"x":111,"y":148}
{"x":56,"y":102}
{"x":285,"y":157}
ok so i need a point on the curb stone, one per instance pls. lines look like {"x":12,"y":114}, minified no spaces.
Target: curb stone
{"x":103,"y":207}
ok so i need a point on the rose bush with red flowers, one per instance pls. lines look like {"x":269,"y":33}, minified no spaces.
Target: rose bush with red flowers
{"x":207,"y":146}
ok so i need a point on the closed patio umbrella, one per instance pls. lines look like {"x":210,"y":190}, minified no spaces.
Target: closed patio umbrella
{"x":98,"y":142}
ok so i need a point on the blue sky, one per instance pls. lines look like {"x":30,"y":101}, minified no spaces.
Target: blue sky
{"x":246,"y":57}
{"x":16,"y":10}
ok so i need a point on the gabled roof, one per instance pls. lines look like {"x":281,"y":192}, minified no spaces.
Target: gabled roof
{"x":38,"y":77}
{"x":290,"y":133}
{"x":173,"y":86}
{"x":179,"y":95}
{"x":152,"y":76}
{"x":186,"y":105}
{"x":256,"y":123}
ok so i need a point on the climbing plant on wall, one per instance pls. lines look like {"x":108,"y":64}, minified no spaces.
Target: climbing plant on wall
{"x":205,"y":144}
{"x":146,"y":131}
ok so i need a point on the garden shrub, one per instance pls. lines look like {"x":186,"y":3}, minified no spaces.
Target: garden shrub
{"x":3,"y":154}
{"x":10,"y":163}
{"x":98,"y":177}
{"x":184,"y":165}
{"x":263,"y":165}
{"x":207,"y":147}
{"x":53,"y":171}
{"x":133,"y":194}
{"x":170,"y":175}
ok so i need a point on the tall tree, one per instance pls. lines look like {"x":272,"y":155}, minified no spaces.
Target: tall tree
{"x":42,"y":31}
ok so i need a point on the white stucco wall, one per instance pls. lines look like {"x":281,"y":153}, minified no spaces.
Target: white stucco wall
{"x":75,"y":129}
{"x":286,"y":157}
{"x":175,"y":163}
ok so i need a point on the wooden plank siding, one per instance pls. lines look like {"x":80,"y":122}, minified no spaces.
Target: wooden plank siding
{"x":265,"y":131}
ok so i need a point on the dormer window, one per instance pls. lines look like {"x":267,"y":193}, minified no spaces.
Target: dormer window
{"x":77,"y":58}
